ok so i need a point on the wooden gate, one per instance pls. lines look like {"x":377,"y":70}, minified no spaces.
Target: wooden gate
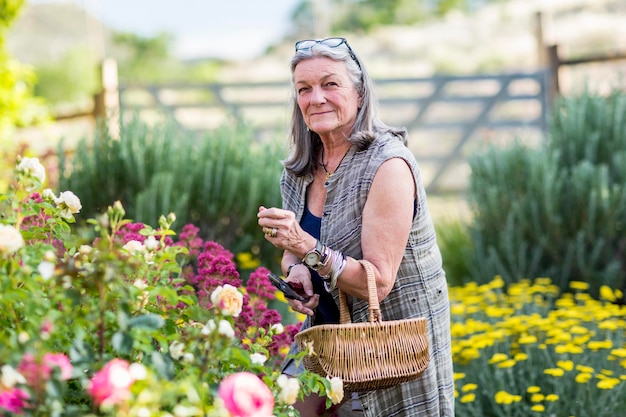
{"x":448,"y":117}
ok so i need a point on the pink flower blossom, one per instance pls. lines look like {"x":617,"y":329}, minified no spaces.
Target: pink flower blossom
{"x":13,"y":400}
{"x":111,"y":385}
{"x":37,"y":373}
{"x":245,"y":395}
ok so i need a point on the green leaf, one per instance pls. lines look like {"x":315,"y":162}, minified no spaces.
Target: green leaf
{"x":162,"y":364}
{"x":122,"y":342}
{"x":147,"y":321}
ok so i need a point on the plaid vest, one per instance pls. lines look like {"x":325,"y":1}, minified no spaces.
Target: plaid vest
{"x":420,"y":288}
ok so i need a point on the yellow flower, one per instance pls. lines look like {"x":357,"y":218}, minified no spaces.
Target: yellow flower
{"x":608,"y":325}
{"x":552,"y":397}
{"x":458,"y":375}
{"x":509,"y":363}
{"x":538,"y":408}
{"x":583,"y":368}
{"x":520,"y":356}
{"x":469,"y":387}
{"x":606,"y":293}
{"x":533,"y":389}
{"x":608,"y":383}
{"x":503,"y":397}
{"x":620,"y":353}
{"x":600,"y":344}
{"x":565,"y":365}
{"x":554,"y":371}
{"x":583,"y":377}
{"x":468,"y":398}
{"x":498,"y":357}
{"x":527,"y":339}
{"x":579,"y":285}
{"x":537,"y":398}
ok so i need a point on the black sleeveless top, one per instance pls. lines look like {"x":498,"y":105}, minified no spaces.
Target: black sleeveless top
{"x":327,"y":311}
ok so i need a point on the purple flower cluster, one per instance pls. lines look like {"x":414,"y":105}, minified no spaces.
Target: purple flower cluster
{"x":211,"y":265}
{"x":130,"y":231}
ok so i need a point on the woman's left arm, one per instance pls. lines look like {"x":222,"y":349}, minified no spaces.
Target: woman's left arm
{"x":387,"y":220}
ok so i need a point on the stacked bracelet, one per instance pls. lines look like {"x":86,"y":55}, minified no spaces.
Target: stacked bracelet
{"x":337,"y":263}
{"x":290,"y":267}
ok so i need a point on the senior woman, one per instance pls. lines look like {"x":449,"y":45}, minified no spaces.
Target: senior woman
{"x":352,"y":190}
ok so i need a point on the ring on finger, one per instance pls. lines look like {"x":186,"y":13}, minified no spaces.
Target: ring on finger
{"x":273,"y":232}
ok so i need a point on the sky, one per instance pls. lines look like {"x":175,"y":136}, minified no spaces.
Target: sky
{"x":230,"y":29}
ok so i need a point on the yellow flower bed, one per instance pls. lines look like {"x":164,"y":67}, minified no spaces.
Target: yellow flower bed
{"x":531,"y":350}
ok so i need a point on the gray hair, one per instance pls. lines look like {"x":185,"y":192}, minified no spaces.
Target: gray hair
{"x":306,"y":143}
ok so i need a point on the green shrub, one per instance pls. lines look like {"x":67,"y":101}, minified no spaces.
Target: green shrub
{"x":216,"y":180}
{"x":558,"y":210}
{"x":72,"y":79}
{"x":456,"y":250}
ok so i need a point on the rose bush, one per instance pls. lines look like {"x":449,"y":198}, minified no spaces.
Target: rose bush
{"x":123,"y":319}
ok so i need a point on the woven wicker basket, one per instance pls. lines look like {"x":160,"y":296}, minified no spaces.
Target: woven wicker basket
{"x":367,"y":356}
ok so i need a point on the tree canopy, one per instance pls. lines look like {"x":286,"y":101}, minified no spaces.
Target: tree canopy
{"x":18,"y":106}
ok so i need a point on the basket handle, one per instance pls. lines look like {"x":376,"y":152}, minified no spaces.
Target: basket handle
{"x":372,"y":290}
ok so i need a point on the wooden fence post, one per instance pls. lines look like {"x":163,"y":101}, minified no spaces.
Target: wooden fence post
{"x":553,"y":78}
{"x":542,"y":52}
{"x":107,"y":100}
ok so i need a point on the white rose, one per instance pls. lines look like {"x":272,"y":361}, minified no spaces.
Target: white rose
{"x":209,"y":327}
{"x":68,"y":203}
{"x":134,"y":246}
{"x":138,"y":371}
{"x":48,"y":194}
{"x":140,"y":283}
{"x":228,"y":299}
{"x":85,"y":249}
{"x":277,"y":328}
{"x":258,"y":358}
{"x":225,"y":329}
{"x":46,"y":269}
{"x":10,"y":377}
{"x":289,"y":389}
{"x":176,"y":350}
{"x":32,"y":167}
{"x":336,"y":390}
{"x":151,"y":243}
{"x":10,"y":239}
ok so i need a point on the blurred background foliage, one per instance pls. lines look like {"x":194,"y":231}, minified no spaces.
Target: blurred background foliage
{"x":557,"y":210}
{"x":216,"y":180}
{"x":18,"y":105}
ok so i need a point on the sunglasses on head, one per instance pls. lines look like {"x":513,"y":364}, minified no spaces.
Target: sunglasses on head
{"x":330,"y":42}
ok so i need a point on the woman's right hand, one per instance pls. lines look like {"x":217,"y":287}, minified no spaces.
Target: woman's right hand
{"x":300,"y":279}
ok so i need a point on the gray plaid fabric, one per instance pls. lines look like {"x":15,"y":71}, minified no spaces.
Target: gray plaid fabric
{"x":420,"y":289}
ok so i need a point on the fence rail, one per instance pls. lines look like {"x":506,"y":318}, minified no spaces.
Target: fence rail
{"x":443,"y":114}
{"x":447,"y":116}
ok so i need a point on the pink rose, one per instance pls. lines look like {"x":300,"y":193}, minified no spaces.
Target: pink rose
{"x":111,"y":385}
{"x":13,"y":400}
{"x":245,"y":395}
{"x":37,"y":374}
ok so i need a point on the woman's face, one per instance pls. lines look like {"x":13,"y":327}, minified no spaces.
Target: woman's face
{"x":326,"y":96}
